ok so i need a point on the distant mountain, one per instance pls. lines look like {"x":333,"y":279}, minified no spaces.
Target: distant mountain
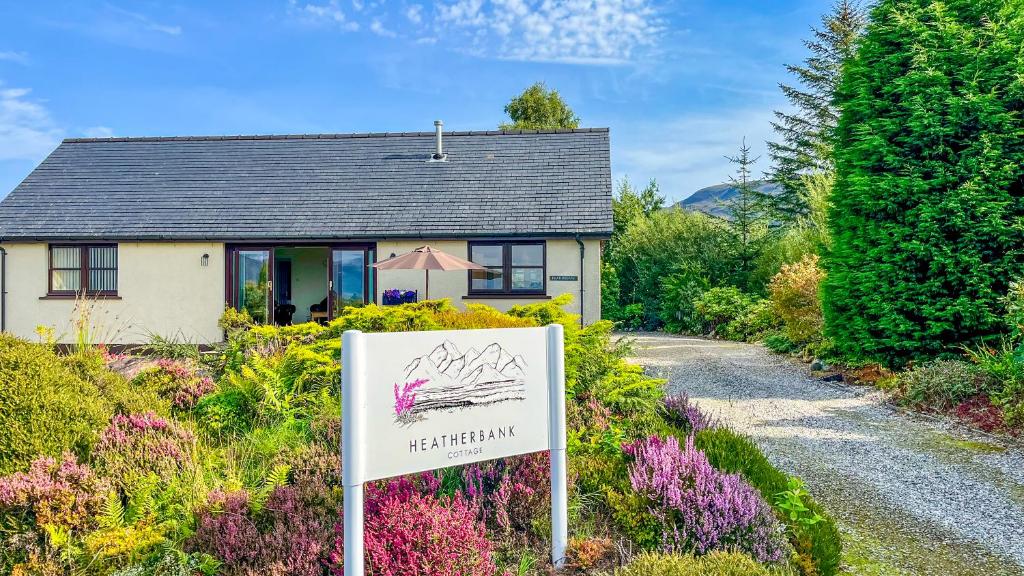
{"x":712,"y":200}
{"x":453,"y":379}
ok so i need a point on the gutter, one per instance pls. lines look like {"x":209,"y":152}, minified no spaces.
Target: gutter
{"x":3,"y":289}
{"x":583,"y":252}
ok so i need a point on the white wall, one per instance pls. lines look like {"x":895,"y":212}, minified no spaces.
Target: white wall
{"x":162,"y":289}
{"x":563,"y":259}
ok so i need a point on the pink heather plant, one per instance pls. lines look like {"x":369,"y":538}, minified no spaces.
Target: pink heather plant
{"x":510,"y":491}
{"x":411,"y":534}
{"x":136,"y":444}
{"x":64,"y":493}
{"x":405,"y":399}
{"x":287,"y":538}
{"x":700,"y":508}
{"x":686,"y":414}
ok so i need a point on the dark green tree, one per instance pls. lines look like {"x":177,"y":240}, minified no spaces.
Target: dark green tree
{"x":629,"y":203}
{"x":806,"y":134}
{"x":538,"y":108}
{"x":927,"y":215}
{"x":750,"y":213}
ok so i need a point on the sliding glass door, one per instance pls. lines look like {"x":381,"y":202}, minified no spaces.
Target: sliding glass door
{"x":351,"y":277}
{"x":252,"y":280}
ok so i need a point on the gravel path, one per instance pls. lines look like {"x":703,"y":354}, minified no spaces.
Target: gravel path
{"x":912,"y":495}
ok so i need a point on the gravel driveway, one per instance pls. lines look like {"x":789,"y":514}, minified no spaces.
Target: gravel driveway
{"x":912,"y":495}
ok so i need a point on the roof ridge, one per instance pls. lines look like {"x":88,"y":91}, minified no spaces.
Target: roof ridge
{"x":338,"y":136}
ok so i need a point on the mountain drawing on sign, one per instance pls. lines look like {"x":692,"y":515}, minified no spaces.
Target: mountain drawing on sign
{"x":452,"y":379}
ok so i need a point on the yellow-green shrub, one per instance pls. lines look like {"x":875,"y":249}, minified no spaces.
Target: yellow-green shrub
{"x":795,"y":295}
{"x":51,"y":404}
{"x":713,"y":564}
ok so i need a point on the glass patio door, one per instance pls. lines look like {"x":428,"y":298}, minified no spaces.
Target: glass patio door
{"x":351,"y":278}
{"x":253,"y":280}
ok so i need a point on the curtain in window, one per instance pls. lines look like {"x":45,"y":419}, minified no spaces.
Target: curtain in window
{"x":66,"y":262}
{"x":103,"y":268}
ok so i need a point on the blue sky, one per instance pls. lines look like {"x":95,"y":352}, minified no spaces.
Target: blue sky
{"x":679,"y":82}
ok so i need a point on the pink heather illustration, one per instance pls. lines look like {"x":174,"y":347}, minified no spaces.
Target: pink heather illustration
{"x":405,"y":399}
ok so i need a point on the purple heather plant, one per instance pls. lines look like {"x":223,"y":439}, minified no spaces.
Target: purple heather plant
{"x":687,"y":414}
{"x":405,"y":399}
{"x":59,"y":493}
{"x":136,"y":444}
{"x":700,"y":508}
{"x":510,"y":491}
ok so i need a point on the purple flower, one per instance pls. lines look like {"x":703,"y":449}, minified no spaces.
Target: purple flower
{"x":405,"y":399}
{"x":687,"y":415}
{"x":700,"y":508}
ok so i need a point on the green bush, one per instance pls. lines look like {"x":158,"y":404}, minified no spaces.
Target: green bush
{"x":759,"y":320}
{"x":51,"y":404}
{"x":729,"y":313}
{"x":819,"y":544}
{"x":713,"y":564}
{"x":942,"y":384}
{"x":928,"y":203}
{"x":795,"y":296}
{"x":679,"y":290}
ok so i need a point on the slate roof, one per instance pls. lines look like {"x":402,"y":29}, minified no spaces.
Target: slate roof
{"x":326,"y":186}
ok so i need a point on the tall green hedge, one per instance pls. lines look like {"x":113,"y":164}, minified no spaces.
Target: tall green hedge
{"x":927,"y":209}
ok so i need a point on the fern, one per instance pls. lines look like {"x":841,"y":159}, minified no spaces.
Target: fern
{"x":112,"y":512}
{"x":277,"y":477}
{"x":141,"y":499}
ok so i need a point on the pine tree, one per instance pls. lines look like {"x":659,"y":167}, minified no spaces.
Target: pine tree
{"x":749,"y":214}
{"x":927,"y":214}
{"x":806,"y":135}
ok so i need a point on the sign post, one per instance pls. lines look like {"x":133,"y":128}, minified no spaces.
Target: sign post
{"x":427,"y":400}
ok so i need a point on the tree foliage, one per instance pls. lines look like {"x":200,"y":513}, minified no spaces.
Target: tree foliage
{"x":806,"y":135}
{"x":749,"y":216}
{"x":927,"y":214}
{"x":538,"y":108}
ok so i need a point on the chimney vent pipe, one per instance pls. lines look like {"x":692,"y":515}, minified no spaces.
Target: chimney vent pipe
{"x":439,"y":152}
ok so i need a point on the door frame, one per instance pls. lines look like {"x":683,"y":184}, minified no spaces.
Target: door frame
{"x":231,"y":261}
{"x":231,"y":280}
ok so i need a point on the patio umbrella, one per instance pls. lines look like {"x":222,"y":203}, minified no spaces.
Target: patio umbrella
{"x":427,"y":259}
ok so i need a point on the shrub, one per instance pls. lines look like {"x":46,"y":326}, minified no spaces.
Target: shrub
{"x":713,"y":564}
{"x":718,"y":307}
{"x":510,"y":492}
{"x":702,"y":509}
{"x":795,"y":295}
{"x":942,"y":384}
{"x":735,"y":454}
{"x":679,"y":291}
{"x":927,"y":203}
{"x":51,"y":404}
{"x":177,"y":381}
{"x":62,"y":493}
{"x":759,"y":319}
{"x":285,"y":537}
{"x":687,"y":416}
{"x":411,"y":534}
{"x":136,"y":445}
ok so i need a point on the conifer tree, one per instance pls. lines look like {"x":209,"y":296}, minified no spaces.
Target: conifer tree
{"x":749,"y":214}
{"x":927,"y":214}
{"x":806,"y":135}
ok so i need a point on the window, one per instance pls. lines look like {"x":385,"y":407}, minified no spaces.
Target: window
{"x":512,"y":268}
{"x":82,"y":268}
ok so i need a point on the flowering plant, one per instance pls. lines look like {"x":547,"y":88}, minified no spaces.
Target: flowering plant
{"x":62,"y":493}
{"x":700,"y":508}
{"x":680,"y":411}
{"x":137,"y":444}
{"x":395,"y":296}
{"x":406,"y":398}
{"x":411,"y":534}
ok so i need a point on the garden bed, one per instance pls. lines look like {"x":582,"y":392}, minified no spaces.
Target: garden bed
{"x":228,"y":463}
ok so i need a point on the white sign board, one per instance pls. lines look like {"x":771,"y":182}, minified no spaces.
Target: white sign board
{"x":442,"y":398}
{"x":415,"y":401}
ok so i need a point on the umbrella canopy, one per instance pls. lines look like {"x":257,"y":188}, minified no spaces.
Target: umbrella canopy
{"x":427,"y":258}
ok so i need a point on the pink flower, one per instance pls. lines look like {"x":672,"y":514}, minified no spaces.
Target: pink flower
{"x":405,"y":399}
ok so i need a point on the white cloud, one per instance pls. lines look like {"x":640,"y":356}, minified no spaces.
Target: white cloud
{"x":688,"y":153}
{"x":377,"y":27}
{"x":12,"y":56}
{"x":325,"y":14}
{"x":98,"y":132}
{"x":27,"y":131}
{"x":414,"y":13}
{"x":605,"y":32}
{"x":147,"y":23}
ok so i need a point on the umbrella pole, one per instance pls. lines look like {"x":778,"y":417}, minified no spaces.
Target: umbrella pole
{"x":426,"y":296}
